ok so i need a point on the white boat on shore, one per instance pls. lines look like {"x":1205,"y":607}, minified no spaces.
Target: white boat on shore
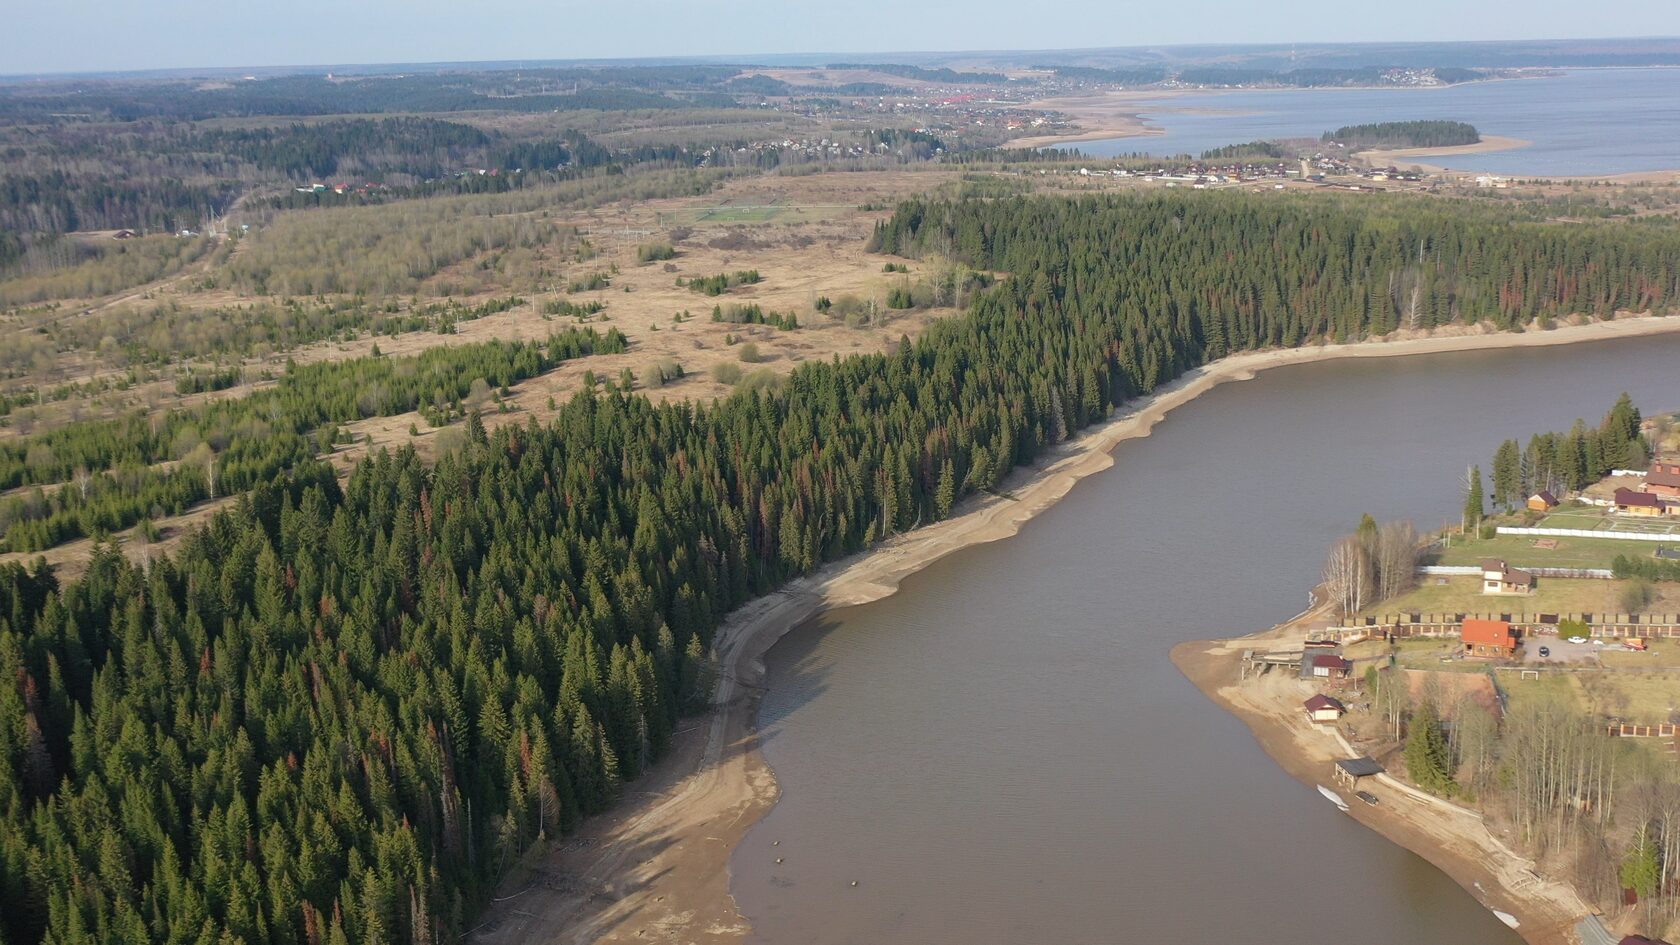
{"x":1333,"y":797}
{"x":1505,"y":917}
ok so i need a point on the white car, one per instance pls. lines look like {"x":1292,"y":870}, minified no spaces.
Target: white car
{"x":1577,"y":639}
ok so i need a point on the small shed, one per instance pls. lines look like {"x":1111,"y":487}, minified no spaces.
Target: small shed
{"x":1349,"y":771}
{"x":1322,"y":709}
{"x":1542,"y":501}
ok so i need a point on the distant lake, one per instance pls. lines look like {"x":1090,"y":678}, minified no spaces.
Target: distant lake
{"x":1590,"y":121}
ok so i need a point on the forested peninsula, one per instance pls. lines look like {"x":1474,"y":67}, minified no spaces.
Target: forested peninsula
{"x":341,"y":710}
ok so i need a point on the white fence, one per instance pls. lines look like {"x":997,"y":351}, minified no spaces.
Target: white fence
{"x":1586,"y":533}
{"x":1462,"y":570}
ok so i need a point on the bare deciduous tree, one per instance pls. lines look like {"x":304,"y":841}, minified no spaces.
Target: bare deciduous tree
{"x":1347,"y":575}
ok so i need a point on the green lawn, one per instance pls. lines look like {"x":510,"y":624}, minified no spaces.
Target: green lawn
{"x":1520,"y":551}
{"x":1560,"y":687}
{"x":1463,"y":595}
{"x":1591,"y":518}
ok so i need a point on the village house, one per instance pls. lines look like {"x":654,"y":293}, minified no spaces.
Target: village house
{"x":1331,"y":666}
{"x":1629,"y":502}
{"x":1659,"y":481}
{"x":1542,"y":501}
{"x":1492,"y":639}
{"x":1322,"y":709}
{"x":1500,"y":578}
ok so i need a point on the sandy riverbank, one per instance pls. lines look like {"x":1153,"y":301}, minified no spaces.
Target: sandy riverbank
{"x":1453,"y":838}
{"x":655,"y":868}
{"x":1401,"y":157}
{"x":1096,"y":117}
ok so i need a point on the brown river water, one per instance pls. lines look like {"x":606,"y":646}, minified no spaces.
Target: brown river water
{"x":1003,"y":752}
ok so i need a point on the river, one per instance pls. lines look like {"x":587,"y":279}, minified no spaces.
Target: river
{"x":1588,"y":121}
{"x":1003,"y":752}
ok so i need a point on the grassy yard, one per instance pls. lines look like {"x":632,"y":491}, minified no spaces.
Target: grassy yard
{"x":1434,"y":654}
{"x":1520,"y":551}
{"x":1551,"y":595}
{"x":1646,"y":698}
{"x":1555,"y":687}
{"x":1592,"y":518}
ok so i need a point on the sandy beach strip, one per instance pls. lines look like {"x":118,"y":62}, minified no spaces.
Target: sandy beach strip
{"x":655,"y":867}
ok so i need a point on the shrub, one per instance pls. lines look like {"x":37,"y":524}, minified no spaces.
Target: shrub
{"x":749,"y":353}
{"x":726,"y":373}
{"x":655,"y":252}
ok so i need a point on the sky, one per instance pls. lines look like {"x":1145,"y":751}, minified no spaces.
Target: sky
{"x":113,"y":35}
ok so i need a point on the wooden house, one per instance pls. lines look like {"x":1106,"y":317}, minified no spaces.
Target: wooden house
{"x":1493,"y":639}
{"x":1331,"y":666}
{"x":1629,"y":502}
{"x":1542,"y":501}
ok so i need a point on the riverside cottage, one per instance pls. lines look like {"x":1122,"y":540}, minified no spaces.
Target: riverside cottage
{"x":1489,"y":639}
{"x":1500,"y":578}
{"x":1660,"y":482}
{"x":1629,"y":502}
{"x":1542,"y":501}
{"x":1330,"y":666}
{"x":1322,"y":709}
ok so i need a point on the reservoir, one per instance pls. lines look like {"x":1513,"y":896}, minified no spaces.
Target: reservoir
{"x":1004,"y":753}
{"x":1590,"y":121}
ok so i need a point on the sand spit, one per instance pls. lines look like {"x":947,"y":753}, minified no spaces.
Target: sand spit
{"x":655,"y":868}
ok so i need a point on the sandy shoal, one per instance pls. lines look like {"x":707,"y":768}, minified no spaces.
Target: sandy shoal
{"x":656,"y":866}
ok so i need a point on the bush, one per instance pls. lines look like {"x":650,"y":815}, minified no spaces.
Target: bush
{"x":726,"y":373}
{"x":1636,"y":596}
{"x":655,"y":252}
{"x":661,"y":372}
{"x":749,"y":353}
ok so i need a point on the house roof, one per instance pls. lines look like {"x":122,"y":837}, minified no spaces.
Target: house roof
{"x":1544,"y":495}
{"x":1331,"y":661}
{"x":1360,"y":767}
{"x":1488,"y":633}
{"x":1507,"y":574}
{"x":1657,"y":477}
{"x":1322,"y":701}
{"x":1632,"y":499}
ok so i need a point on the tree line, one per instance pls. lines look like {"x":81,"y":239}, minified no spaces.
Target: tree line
{"x":1405,"y":134}
{"x":1567,"y":460}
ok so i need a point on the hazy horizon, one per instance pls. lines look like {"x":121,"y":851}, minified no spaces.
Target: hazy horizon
{"x":79,"y":36}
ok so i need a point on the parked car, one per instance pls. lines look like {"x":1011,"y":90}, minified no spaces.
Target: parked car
{"x":1577,"y":639}
{"x":1545,"y":651}
{"x":1367,"y":797}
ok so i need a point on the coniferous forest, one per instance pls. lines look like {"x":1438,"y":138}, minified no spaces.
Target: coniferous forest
{"x":340,"y":711}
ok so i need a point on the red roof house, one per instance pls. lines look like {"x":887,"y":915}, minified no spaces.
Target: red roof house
{"x":1321,"y":708}
{"x":1491,"y":638}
